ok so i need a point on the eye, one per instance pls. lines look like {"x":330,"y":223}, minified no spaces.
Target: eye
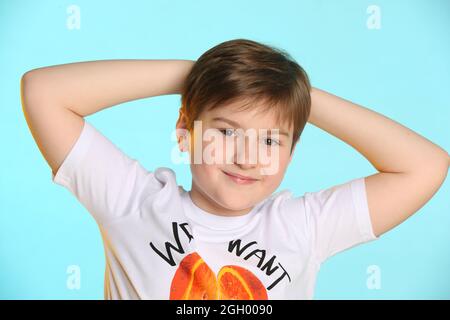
{"x":227,"y":131}
{"x":270,"y":141}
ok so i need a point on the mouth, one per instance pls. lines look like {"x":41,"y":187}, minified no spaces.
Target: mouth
{"x":239,"y":179}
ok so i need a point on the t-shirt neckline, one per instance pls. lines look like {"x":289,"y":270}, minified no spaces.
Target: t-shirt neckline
{"x":216,"y":222}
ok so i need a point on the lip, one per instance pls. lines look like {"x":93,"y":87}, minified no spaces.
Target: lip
{"x":239,"y":179}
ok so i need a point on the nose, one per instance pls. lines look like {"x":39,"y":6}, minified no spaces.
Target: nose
{"x":246,"y":153}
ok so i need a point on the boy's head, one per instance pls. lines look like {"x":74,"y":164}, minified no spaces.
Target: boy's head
{"x":242,"y":86}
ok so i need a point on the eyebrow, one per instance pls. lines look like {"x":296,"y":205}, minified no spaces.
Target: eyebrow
{"x":235,"y":124}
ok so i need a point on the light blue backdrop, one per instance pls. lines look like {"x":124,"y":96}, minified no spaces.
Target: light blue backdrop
{"x":401,"y":70}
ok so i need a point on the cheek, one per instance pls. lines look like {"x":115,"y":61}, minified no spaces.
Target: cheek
{"x":203,"y":171}
{"x":205,"y":175}
{"x":214,"y":151}
{"x":210,"y":149}
{"x":274,"y":163}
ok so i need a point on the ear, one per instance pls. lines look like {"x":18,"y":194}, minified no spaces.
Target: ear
{"x":182,"y":132}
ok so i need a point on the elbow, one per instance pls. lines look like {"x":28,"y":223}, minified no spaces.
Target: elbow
{"x":438,"y":161}
{"x":27,"y":83}
{"x":448,"y":160}
{"x":438,"y":167}
{"x":434,"y":168}
{"x":31,"y":89}
{"x":25,"y":89}
{"x":28,"y":78}
{"x":444,"y":161}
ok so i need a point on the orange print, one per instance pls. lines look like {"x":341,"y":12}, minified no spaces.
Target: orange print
{"x":194,"y":280}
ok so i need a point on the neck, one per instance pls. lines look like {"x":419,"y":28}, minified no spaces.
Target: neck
{"x":205,"y":203}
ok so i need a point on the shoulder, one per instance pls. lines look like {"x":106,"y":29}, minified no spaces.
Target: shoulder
{"x":163,"y":180}
{"x":283,"y":206}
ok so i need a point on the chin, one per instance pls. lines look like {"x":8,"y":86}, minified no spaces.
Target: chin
{"x":235,"y":202}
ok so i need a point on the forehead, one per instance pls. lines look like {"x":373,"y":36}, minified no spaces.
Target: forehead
{"x":246,"y":116}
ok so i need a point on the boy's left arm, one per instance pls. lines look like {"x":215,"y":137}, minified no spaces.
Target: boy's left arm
{"x":411,"y":168}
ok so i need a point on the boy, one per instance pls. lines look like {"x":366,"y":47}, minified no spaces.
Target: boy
{"x":228,"y":237}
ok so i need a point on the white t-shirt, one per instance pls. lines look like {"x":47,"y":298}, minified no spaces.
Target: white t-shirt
{"x":160,"y":245}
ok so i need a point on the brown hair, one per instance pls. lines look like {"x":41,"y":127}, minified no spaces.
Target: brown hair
{"x":246,"y":70}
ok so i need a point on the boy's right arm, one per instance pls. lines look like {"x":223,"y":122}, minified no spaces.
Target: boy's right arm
{"x":56,"y":99}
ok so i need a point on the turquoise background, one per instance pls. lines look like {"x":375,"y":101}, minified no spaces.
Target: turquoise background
{"x":401,"y":70}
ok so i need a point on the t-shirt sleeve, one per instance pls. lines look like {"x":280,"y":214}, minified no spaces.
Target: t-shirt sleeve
{"x":336,"y":218}
{"x":107,"y":182}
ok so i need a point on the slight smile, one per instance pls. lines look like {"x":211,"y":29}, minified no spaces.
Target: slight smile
{"x":239,"y":179}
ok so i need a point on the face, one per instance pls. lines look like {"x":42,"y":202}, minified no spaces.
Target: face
{"x":226,"y":143}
